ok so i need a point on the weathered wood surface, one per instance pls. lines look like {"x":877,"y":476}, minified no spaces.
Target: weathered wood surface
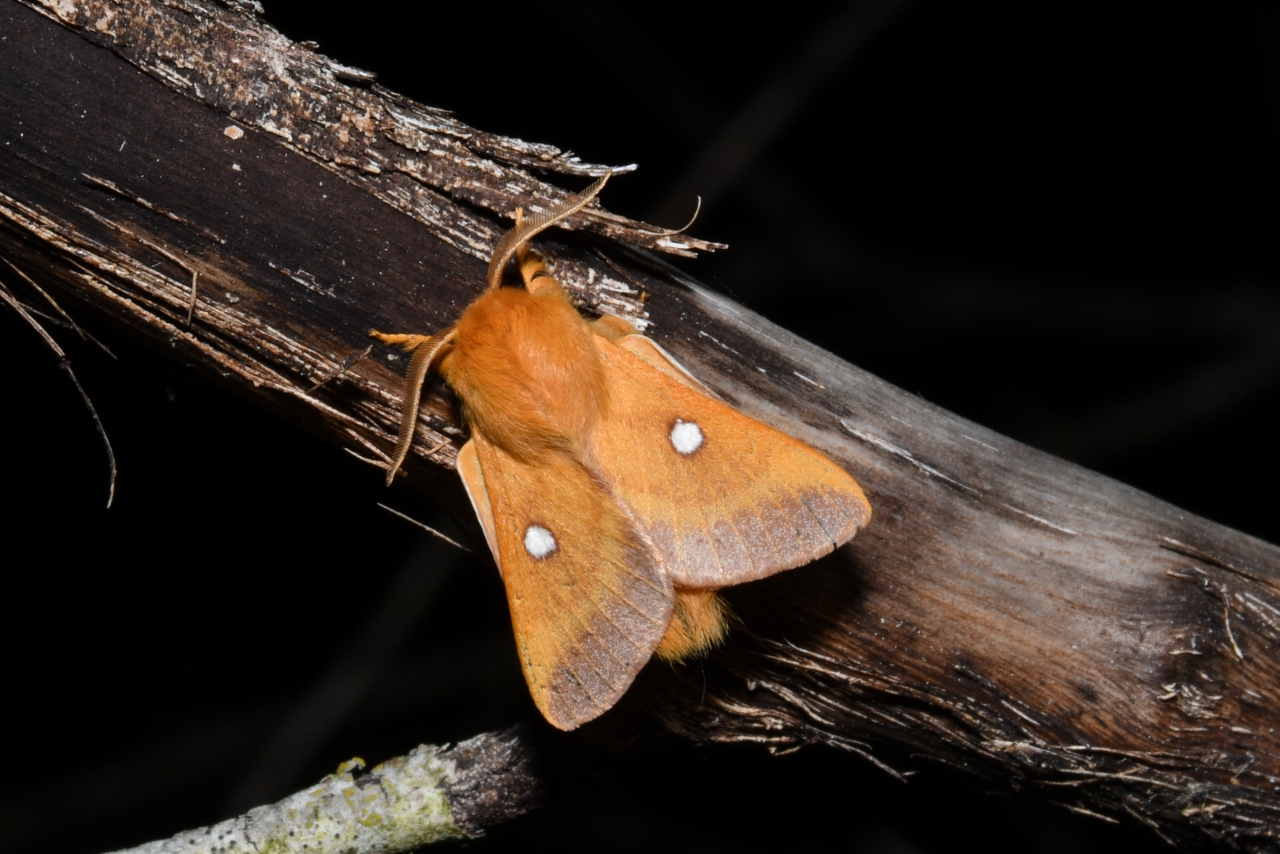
{"x":1005,"y":612}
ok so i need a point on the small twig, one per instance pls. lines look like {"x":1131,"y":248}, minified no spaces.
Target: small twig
{"x":1082,"y":811}
{"x":385,"y":458}
{"x":191,"y":300}
{"x":65,"y":363}
{"x":195,"y":276}
{"x":61,"y":313}
{"x":111,"y":186}
{"x":151,"y":244}
{"x":378,"y":464}
{"x":62,"y":324}
{"x":1226,"y":617}
{"x":102,"y":430}
{"x":341,"y":368}
{"x":426,"y":528}
{"x":672,"y":232}
{"x":404,"y":802}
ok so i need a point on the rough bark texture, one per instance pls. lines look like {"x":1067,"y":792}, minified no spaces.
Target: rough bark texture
{"x":1005,"y":612}
{"x":495,"y":779}
{"x":431,"y":795}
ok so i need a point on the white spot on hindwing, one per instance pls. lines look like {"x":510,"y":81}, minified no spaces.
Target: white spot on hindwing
{"x":539,"y":542}
{"x":686,"y":437}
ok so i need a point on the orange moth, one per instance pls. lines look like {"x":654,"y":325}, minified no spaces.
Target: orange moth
{"x":616,"y":492}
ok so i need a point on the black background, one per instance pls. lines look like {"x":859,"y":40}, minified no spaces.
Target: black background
{"x":1058,"y":220}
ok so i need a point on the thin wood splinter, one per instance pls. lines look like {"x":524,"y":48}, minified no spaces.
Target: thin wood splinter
{"x":65,"y":364}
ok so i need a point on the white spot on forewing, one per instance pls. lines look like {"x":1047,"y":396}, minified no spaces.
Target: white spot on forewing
{"x":686,"y":437}
{"x":539,"y":542}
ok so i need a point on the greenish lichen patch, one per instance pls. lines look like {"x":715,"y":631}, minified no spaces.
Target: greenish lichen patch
{"x":400,"y":806}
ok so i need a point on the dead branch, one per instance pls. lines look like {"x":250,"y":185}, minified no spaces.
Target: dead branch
{"x":431,"y":795}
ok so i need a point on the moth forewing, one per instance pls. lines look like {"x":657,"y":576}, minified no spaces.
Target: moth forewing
{"x":724,"y":498}
{"x":589,"y":602}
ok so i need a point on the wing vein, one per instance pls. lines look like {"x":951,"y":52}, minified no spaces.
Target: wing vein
{"x":608,"y":618}
{"x":746,"y":547}
{"x":587,"y":633}
{"x":821,"y":524}
{"x":583,"y":688}
{"x":711,"y":537}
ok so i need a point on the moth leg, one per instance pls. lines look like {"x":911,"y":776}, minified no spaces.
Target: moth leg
{"x":409,"y":341}
{"x":426,"y":350}
{"x":531,"y":266}
{"x":537,"y":278}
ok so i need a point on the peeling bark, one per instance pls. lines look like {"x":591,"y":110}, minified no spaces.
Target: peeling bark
{"x":1005,"y":612}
